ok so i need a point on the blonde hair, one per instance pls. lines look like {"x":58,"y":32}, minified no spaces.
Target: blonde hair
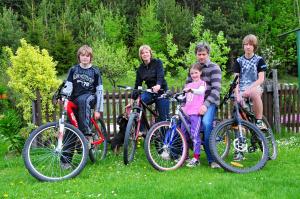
{"x":252,"y":40}
{"x":144,"y":47}
{"x":85,"y":50}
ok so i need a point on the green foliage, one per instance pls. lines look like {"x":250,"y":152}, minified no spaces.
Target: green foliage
{"x":10,"y":124}
{"x":32,"y":70}
{"x":64,"y":50}
{"x":10,"y":29}
{"x":175,"y":19}
{"x":111,"y":60}
{"x":148,"y":28}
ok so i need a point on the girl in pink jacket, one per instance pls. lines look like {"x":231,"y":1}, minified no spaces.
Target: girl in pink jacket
{"x":194,"y":99}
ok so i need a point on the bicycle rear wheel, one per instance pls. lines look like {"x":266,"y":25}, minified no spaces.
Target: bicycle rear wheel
{"x":248,"y":149}
{"x":98,"y":151}
{"x":46,"y":162}
{"x":165,"y":148}
{"x":273,"y":152}
{"x":130,"y":141}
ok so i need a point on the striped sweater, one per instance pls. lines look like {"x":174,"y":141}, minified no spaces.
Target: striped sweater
{"x":212,"y":75}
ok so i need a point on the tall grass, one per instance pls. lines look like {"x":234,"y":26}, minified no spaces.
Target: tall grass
{"x":112,"y":179}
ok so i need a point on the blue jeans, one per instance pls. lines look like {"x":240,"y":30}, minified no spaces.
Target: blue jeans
{"x":162,"y":105}
{"x":207,"y":123}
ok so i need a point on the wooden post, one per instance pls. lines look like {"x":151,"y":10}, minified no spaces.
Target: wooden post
{"x":276,"y":102}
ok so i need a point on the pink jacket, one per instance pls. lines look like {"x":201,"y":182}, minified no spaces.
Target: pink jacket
{"x":194,"y":99}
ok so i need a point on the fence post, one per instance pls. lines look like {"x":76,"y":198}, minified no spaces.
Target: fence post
{"x":276,"y":102}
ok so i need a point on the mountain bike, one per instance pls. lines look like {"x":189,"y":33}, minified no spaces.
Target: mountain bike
{"x":166,"y":146}
{"x":248,"y":147}
{"x":137,"y":117}
{"x":246,"y":113}
{"x":54,"y":145}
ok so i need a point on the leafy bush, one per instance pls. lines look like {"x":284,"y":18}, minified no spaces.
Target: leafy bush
{"x":32,"y":71}
{"x":10,"y":124}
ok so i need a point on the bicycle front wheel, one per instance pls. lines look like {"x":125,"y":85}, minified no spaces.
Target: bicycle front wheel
{"x":270,"y":139}
{"x":46,"y":162}
{"x":130,"y":139}
{"x":166,"y":148}
{"x":98,"y":149}
{"x":248,"y":149}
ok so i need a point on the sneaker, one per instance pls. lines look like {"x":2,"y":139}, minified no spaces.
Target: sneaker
{"x":215,"y":165}
{"x":238,"y":156}
{"x":65,"y":166}
{"x":193,"y":162}
{"x":165,"y":155}
{"x":261,"y":125}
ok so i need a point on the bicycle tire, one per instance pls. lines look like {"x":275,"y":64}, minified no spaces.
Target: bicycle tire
{"x":254,"y":157}
{"x":44,"y":162}
{"x":273,"y":151}
{"x":98,"y":152}
{"x":156,"y":145}
{"x":130,"y":141}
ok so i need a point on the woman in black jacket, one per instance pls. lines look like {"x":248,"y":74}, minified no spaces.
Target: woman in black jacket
{"x":151,"y":72}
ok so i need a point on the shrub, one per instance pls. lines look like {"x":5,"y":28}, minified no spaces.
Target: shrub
{"x":10,"y":124}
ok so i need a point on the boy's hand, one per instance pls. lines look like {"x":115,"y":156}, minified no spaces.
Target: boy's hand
{"x":97,"y":115}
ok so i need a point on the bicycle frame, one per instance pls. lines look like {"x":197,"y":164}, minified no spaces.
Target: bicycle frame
{"x":69,"y":108}
{"x":141,"y":108}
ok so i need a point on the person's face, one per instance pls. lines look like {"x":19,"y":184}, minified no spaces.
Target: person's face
{"x":195,"y":74}
{"x":145,"y":55}
{"x":202,"y":56}
{"x":85,"y":59}
{"x":248,"y":48}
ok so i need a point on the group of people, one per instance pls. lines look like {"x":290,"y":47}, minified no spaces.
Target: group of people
{"x":84,"y":86}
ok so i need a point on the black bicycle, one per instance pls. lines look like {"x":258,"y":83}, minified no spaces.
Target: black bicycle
{"x":137,"y":117}
{"x":248,"y":147}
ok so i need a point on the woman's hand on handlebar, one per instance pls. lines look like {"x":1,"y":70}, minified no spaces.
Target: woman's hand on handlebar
{"x":156,"y":88}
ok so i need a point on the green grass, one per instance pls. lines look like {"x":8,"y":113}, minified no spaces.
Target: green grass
{"x":111,"y":179}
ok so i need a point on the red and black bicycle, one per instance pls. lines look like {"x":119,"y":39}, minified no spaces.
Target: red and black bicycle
{"x":58,"y":150}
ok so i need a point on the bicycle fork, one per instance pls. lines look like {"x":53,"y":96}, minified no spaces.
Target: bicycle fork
{"x":240,"y":142}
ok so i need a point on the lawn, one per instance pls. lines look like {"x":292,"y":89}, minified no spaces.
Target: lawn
{"x":111,"y":179}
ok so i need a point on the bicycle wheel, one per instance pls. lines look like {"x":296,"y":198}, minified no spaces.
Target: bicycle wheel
{"x":130,"y":139}
{"x":248,"y":149}
{"x":98,"y":150}
{"x":273,"y":152}
{"x":165,"y":148}
{"x":46,"y":162}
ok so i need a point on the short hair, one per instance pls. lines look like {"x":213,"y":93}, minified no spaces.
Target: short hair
{"x":202,"y":46}
{"x":84,"y":50}
{"x":252,"y":40}
{"x":144,"y":47}
{"x":196,"y":66}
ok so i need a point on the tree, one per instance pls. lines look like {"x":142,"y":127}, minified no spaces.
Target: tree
{"x":32,"y":70}
{"x":10,"y":29}
{"x":175,"y":19}
{"x":148,"y":28}
{"x":111,"y":60}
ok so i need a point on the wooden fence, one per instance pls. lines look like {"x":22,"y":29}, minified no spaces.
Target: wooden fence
{"x":115,"y":102}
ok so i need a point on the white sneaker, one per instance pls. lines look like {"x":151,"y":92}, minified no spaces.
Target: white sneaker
{"x":165,"y":155}
{"x":193,"y":162}
{"x":215,"y":165}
